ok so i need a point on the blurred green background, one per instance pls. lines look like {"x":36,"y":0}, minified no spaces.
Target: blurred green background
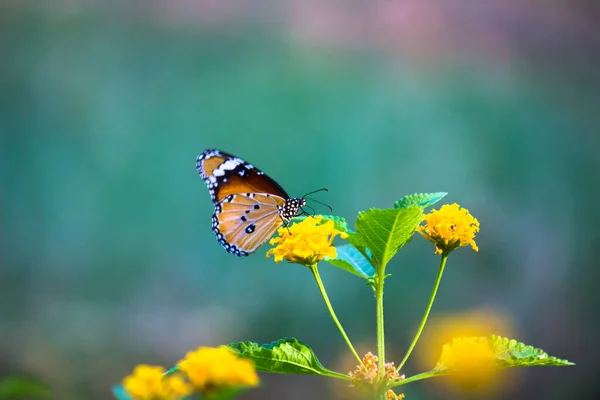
{"x":107,"y":258}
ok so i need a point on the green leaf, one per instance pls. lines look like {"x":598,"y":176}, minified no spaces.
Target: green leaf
{"x":419,"y":199}
{"x":224,"y":394}
{"x":17,"y":387}
{"x":507,"y":353}
{"x":385,"y":231}
{"x":352,"y":260}
{"x":284,"y":356}
{"x":355,"y":240}
{"x":511,"y":353}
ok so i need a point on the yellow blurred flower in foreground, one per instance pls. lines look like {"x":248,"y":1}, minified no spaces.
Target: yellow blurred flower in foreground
{"x":306,"y":242}
{"x":443,"y":328}
{"x":212,"y":369}
{"x":365,"y":377}
{"x":471,"y":362}
{"x":468,"y":354}
{"x":450,"y":227}
{"x":148,"y":383}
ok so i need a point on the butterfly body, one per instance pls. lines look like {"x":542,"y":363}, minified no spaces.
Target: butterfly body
{"x":249,"y":205}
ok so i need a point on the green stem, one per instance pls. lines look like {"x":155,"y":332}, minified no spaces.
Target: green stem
{"x":431,"y":299}
{"x":315,"y":272}
{"x":380,"y":330}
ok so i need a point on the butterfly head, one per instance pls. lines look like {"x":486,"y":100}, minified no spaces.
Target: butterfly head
{"x":291,"y":208}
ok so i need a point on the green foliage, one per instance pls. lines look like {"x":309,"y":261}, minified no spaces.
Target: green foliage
{"x":356,"y":240}
{"x":284,"y":356}
{"x":385,"y":231}
{"x":420,"y":200}
{"x":352,"y":260}
{"x":508,"y":353}
{"x":380,"y":234}
{"x":511,"y":353}
{"x":224,"y":394}
{"x":21,"y":387}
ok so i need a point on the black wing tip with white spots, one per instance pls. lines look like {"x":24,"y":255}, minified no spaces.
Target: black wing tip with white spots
{"x":203,"y":156}
{"x":210,"y":152}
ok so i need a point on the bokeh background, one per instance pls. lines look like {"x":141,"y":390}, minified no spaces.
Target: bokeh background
{"x":107,"y":258}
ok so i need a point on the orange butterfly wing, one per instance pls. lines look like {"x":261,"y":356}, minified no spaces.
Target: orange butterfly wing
{"x":249,"y":205}
{"x":243,"y":222}
{"x":225,"y":174}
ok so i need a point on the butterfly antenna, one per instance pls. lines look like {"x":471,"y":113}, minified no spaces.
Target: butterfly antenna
{"x":315,"y":191}
{"x":317,"y":201}
{"x":305,"y":213}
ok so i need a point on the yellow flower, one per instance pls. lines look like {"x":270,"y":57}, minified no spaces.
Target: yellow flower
{"x":471,"y":362}
{"x":211,"y":369}
{"x":467,"y":354}
{"x":441,"y":329}
{"x":450,"y":227}
{"x":148,"y":383}
{"x":306,"y":242}
{"x":365,"y":377}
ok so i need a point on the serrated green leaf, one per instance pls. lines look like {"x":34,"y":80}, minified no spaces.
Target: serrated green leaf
{"x":355,"y":240}
{"x":419,"y":199}
{"x":349,"y":258}
{"x":511,"y":353}
{"x":16,"y":387}
{"x":385,"y":231}
{"x":284,"y":356}
{"x":507,"y":353}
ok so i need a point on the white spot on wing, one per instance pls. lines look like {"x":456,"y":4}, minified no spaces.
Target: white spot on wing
{"x":229,"y":164}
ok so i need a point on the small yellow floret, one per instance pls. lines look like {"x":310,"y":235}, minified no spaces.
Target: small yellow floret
{"x":212,"y":369}
{"x":390,"y":395}
{"x":148,"y":383}
{"x":306,"y":242}
{"x":450,"y":227}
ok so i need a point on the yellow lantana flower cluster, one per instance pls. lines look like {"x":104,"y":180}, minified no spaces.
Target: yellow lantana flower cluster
{"x":467,"y":354}
{"x":149,"y":383}
{"x":365,"y":376}
{"x":306,"y":242}
{"x":210,"y":368}
{"x":205,"y":370}
{"x":471,"y":362}
{"x":450,"y":227}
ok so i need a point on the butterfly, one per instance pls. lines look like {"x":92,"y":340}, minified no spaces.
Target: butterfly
{"x":249,"y":205}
